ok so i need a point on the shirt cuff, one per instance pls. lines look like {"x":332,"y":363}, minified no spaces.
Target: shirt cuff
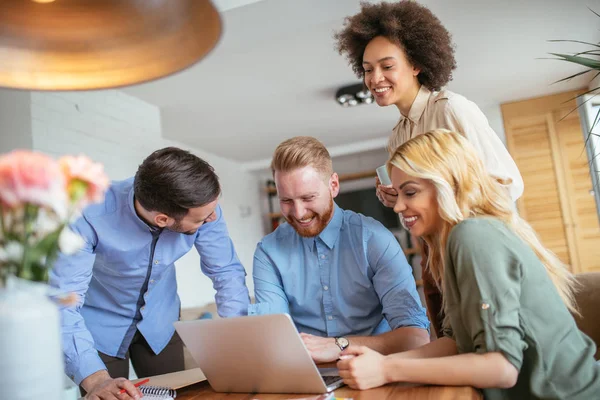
{"x":417,"y":321}
{"x":84,"y":367}
{"x":259,"y":309}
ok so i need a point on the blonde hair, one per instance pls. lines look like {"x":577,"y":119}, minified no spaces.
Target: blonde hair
{"x":300,"y":152}
{"x":465,"y":190}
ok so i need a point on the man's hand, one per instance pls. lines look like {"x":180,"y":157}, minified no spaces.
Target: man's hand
{"x":387,"y":195}
{"x":362,"y":368}
{"x":100,"y":386}
{"x":321,"y":349}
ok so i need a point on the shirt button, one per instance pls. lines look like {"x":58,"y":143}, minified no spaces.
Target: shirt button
{"x":325,"y":287}
{"x":485,"y":306}
{"x":142,"y":309}
{"x":330,"y":317}
{"x":322,"y":256}
{"x":151,"y":280}
{"x":156,"y":262}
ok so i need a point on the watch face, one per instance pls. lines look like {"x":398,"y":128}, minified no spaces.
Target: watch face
{"x":343,"y":342}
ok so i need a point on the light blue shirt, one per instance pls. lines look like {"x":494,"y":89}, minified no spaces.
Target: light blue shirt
{"x":125,"y":279}
{"x":351,"y":279}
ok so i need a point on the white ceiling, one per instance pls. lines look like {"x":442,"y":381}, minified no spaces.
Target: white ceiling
{"x":274,"y":72}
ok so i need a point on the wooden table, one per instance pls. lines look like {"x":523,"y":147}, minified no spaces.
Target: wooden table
{"x":203,"y":391}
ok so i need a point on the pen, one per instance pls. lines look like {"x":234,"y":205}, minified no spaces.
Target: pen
{"x":140,"y":383}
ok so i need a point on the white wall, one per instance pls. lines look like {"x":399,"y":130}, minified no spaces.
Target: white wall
{"x":15,"y":120}
{"x":494,"y":116}
{"x":119,"y":131}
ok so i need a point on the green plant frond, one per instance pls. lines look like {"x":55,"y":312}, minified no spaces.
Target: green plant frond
{"x":576,"y":41}
{"x":590,"y":133}
{"x":579,"y":95}
{"x":572,"y":76}
{"x":593,"y":11}
{"x":594,"y":124}
{"x":582,"y":94}
{"x":586,"y":62}
{"x":589,"y":53}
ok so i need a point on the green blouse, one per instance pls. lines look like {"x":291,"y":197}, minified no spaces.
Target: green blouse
{"x":499,"y":298}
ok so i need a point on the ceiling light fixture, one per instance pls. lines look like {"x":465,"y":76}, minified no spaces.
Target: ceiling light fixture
{"x":78,"y":45}
{"x":352,"y":95}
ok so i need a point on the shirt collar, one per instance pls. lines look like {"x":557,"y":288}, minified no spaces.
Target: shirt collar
{"x":418,"y":106}
{"x":330,"y":234}
{"x":140,"y":222}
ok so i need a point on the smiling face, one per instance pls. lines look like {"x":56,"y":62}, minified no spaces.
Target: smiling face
{"x":388,"y":74}
{"x":306,"y":198}
{"x":416,"y":204}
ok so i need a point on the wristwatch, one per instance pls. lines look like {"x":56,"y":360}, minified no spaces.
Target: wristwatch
{"x":342,"y":342}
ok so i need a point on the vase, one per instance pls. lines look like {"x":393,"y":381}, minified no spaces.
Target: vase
{"x":31,"y":361}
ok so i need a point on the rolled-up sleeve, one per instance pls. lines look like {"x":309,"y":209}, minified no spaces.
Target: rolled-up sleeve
{"x":394,"y":283}
{"x":488,"y":278}
{"x":221,"y":264}
{"x":72,"y":274}
{"x":268,"y":286}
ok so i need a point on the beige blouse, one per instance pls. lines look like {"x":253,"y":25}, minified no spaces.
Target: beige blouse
{"x":448,"y":110}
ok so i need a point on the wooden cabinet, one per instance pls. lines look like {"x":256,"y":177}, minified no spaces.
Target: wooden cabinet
{"x":545,"y":138}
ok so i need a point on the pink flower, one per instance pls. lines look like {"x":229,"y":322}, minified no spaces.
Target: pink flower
{"x":86,"y":180}
{"x":31,"y":177}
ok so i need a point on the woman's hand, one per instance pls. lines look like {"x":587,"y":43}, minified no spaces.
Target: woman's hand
{"x":362,"y":368}
{"x":387,"y":195}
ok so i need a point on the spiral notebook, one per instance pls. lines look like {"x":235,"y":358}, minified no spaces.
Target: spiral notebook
{"x":163,"y":387}
{"x":157,"y":393}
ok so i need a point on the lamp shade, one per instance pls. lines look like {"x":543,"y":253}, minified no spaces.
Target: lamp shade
{"x":97,"y":44}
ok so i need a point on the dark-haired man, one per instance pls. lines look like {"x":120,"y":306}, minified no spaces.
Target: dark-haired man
{"x":124,"y":276}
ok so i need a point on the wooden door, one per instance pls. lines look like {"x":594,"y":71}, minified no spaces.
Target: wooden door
{"x":584,"y":215}
{"x":545,"y":138}
{"x":529,"y":142}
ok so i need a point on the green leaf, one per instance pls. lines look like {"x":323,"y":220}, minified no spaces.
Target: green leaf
{"x":39,"y":273}
{"x":576,"y":41}
{"x":586,"y":62}
{"x":573,"y":76}
{"x":594,"y":11}
{"x":579,"y":95}
{"x":591,"y":52}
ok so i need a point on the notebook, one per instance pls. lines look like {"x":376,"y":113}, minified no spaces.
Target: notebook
{"x":157,"y":393}
{"x":163,"y":387}
{"x":176,"y":380}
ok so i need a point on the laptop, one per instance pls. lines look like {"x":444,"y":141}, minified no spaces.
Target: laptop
{"x":255,"y":354}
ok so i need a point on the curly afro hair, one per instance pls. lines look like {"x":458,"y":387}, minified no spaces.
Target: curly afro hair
{"x":426,"y":43}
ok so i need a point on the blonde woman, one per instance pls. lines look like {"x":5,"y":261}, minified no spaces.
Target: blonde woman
{"x":508,"y":327}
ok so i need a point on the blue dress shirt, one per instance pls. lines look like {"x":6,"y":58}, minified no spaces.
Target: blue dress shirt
{"x":351,"y":279}
{"x":125,"y":280}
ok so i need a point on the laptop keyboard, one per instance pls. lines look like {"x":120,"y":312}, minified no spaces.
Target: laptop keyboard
{"x":330,"y":379}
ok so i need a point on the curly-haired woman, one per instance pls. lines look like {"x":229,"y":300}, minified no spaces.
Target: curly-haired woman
{"x":405,"y":56}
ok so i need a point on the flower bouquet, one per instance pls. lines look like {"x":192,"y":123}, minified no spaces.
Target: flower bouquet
{"x":38,"y":198}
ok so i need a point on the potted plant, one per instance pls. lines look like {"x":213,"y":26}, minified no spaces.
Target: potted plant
{"x":38,"y":198}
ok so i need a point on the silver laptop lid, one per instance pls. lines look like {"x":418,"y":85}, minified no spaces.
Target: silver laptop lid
{"x":254,"y":354}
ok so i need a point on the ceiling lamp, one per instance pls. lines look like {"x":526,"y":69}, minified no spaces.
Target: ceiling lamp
{"x":353,"y":95}
{"x":98,"y":44}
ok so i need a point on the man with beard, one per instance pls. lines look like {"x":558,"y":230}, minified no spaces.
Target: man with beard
{"x":124,"y":276}
{"x":341,"y":276}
